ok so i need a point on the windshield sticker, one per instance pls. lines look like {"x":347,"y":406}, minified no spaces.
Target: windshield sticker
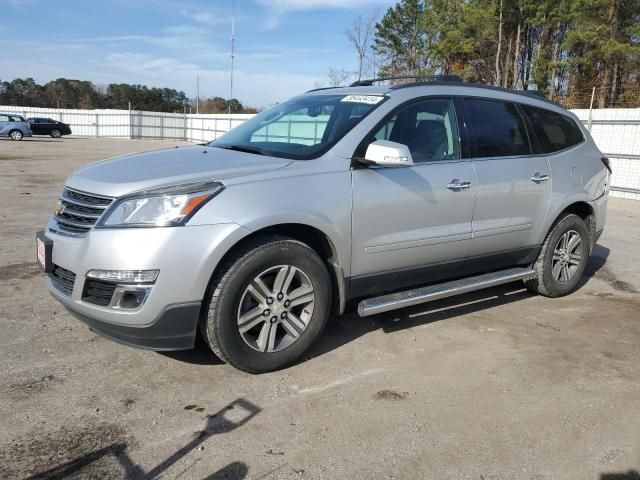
{"x":368,"y":99}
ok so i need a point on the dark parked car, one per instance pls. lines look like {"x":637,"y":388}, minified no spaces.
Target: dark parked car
{"x":48,"y":126}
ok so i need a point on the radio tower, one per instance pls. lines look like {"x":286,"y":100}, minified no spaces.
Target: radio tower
{"x":233,"y":46}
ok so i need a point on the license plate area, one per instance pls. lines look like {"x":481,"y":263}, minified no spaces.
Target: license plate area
{"x":44,"y":252}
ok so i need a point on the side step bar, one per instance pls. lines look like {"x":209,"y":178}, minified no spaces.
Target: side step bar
{"x":393,"y":301}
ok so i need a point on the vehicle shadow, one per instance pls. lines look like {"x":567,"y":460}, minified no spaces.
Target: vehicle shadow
{"x":630,"y":475}
{"x":217,"y":424}
{"x":348,"y":327}
{"x":199,"y":355}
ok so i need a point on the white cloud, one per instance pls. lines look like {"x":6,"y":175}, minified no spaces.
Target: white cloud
{"x":205,"y":17}
{"x":22,"y":3}
{"x":277,"y":8}
{"x":284,"y":5}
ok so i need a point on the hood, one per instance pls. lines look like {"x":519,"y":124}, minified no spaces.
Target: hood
{"x":139,"y":171}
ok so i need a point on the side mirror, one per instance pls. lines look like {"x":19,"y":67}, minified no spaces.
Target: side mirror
{"x":388,"y":154}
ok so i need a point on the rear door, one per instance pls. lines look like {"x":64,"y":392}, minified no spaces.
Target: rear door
{"x":513,"y":189}
{"x":408,"y":220}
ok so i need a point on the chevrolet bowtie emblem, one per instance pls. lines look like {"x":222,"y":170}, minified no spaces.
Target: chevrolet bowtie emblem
{"x":60,"y":208}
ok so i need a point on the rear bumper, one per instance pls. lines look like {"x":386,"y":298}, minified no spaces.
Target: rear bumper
{"x":174,"y":329}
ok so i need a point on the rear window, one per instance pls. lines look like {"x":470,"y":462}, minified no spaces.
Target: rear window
{"x":497,"y":129}
{"x":555,"y":131}
{"x":16,"y":118}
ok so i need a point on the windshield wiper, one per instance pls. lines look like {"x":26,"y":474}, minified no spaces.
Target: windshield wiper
{"x":245,"y":148}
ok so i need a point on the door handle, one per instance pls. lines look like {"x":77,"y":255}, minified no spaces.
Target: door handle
{"x":458,"y":185}
{"x":537,"y":177}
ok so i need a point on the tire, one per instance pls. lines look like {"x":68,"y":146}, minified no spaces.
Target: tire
{"x":557,"y":272}
{"x":15,"y":135}
{"x":55,"y":133}
{"x":275,"y":334}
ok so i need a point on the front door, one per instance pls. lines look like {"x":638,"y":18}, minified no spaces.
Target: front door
{"x":406,"y":220}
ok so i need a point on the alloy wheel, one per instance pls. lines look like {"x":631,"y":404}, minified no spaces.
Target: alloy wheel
{"x":567,"y":256}
{"x":275,"y":308}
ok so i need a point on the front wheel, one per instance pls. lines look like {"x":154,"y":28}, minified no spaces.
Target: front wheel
{"x":268,"y":304}
{"x":16,"y":135}
{"x":562,"y":259}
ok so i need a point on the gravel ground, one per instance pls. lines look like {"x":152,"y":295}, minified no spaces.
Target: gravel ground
{"x":497,"y":384}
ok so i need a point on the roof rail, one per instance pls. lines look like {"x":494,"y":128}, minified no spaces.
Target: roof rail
{"x":320,"y":88}
{"x":428,"y":78}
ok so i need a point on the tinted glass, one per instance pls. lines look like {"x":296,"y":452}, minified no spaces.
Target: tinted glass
{"x":555,"y":131}
{"x":427,"y":127}
{"x":497,"y":129}
{"x":301,"y":128}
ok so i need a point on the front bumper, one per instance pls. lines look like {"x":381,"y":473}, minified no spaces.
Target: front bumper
{"x":174,"y":329}
{"x":186,"y":258}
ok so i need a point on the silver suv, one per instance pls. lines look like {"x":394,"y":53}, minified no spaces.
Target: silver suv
{"x":390,"y":194}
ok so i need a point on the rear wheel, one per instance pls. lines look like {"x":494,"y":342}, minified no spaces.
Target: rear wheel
{"x":55,"y":133}
{"x":562,"y":259}
{"x":15,"y":135}
{"x":268,"y":304}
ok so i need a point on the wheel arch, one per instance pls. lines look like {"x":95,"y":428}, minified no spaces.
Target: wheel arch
{"x":582,"y":209}
{"x":312,"y":236}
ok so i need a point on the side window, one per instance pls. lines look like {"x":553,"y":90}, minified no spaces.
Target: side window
{"x":31,"y":120}
{"x":555,"y":131}
{"x":497,"y":129}
{"x":427,"y":127}
{"x":4,"y":118}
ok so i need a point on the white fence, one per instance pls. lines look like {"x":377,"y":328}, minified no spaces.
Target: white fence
{"x":615,"y":130}
{"x":136,"y":123}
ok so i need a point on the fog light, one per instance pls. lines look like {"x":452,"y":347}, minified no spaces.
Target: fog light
{"x":130,"y":297}
{"x":124,"y":276}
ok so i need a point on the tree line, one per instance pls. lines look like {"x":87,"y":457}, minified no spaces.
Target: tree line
{"x":564,"y":48}
{"x":81,"y":94}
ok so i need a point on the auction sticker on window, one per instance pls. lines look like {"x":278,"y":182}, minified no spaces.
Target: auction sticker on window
{"x":368,"y":99}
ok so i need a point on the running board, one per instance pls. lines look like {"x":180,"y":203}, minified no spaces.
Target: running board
{"x":393,"y":301}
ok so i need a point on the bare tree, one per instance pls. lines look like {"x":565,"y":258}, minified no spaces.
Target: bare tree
{"x":338,"y":78}
{"x":360,"y":35}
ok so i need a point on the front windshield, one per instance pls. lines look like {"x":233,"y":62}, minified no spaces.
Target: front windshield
{"x":301,"y":128}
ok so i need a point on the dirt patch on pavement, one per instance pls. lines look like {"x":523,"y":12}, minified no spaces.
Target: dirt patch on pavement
{"x":26,"y":388}
{"x":390,"y":395}
{"x":83,"y":450}
{"x":19,"y":271}
{"x":620,"y":285}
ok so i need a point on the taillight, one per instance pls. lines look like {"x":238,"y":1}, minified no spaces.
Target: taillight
{"x":606,"y":163}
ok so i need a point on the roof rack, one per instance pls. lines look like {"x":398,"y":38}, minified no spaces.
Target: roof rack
{"x":320,"y":88}
{"x":427,"y":78}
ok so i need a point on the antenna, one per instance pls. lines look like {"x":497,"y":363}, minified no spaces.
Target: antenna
{"x":233,"y":48}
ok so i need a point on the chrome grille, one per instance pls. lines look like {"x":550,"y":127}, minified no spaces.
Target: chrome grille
{"x":78,"y":211}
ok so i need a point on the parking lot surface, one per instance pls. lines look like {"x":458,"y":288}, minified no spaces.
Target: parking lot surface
{"x":498,"y":384}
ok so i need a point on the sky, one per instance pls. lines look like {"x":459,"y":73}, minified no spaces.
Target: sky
{"x":283,"y":47}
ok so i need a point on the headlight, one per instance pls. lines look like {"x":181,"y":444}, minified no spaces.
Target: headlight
{"x":164,"y":207}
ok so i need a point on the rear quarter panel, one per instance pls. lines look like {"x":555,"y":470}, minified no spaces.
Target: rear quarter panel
{"x":578,"y":175}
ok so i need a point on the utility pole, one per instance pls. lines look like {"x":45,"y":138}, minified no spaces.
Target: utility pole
{"x":233,"y":47}
{"x":198,"y":94}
